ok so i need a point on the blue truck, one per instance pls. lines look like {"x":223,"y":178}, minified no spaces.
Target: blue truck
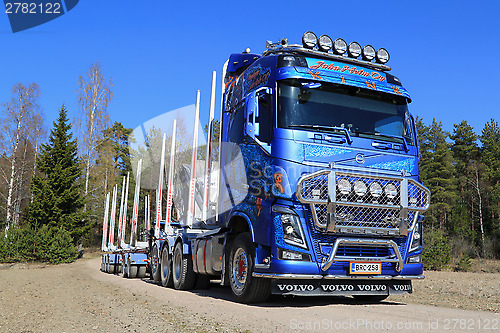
{"x":318,"y":187}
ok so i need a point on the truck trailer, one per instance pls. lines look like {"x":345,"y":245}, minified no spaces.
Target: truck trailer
{"x":315,"y":189}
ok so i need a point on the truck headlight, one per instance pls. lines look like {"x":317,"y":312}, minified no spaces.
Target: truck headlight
{"x":309,"y":39}
{"x":344,"y":186}
{"x":339,"y":46}
{"x":375,"y":189}
{"x":354,"y":50}
{"x":360,"y":188}
{"x":391,"y":191}
{"x":416,"y":240}
{"x":292,"y":231}
{"x":368,"y":53}
{"x":325,"y":43}
{"x":382,"y":56}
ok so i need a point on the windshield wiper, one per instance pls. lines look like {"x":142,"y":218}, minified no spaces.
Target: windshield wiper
{"x":390,"y":136}
{"x":324,"y":127}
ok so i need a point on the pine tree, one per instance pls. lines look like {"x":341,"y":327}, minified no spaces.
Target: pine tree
{"x":57,"y":199}
{"x":490,"y":139}
{"x":469,"y":173}
{"x":436,"y":171}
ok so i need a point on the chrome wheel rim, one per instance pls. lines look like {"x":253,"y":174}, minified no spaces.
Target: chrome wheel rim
{"x":240,"y":268}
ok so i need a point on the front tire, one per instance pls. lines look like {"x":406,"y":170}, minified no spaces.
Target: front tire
{"x":166,"y":268}
{"x":245,"y":287}
{"x":183,"y":274}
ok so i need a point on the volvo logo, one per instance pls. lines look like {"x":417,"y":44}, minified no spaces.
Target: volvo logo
{"x":360,"y":158}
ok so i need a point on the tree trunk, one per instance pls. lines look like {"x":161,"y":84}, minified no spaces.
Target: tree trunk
{"x":12,"y":173}
{"x":480,"y":210}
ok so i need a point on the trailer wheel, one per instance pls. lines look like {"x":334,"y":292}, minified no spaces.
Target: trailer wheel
{"x":155,"y":265}
{"x":370,"y":299}
{"x":245,"y":287}
{"x":132,"y":271}
{"x":111,"y":269}
{"x":141,"y":271}
{"x":166,"y":268}
{"x":183,"y":273}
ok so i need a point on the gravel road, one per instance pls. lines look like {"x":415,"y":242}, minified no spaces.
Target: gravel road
{"x":78,"y":297}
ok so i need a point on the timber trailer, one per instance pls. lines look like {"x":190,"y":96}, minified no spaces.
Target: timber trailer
{"x":316,"y":187}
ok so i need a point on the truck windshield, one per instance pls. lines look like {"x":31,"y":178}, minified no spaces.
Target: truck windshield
{"x":362,"y":112}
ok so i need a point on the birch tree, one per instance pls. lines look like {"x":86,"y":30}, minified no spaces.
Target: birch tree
{"x":14,"y":136}
{"x":94,"y":94}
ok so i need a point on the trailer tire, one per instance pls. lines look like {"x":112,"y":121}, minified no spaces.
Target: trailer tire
{"x":132,"y":271}
{"x":245,"y":287}
{"x":166,"y":268}
{"x":182,"y":269}
{"x":370,"y":299}
{"x":155,"y":264}
{"x":111,"y":269}
{"x":141,"y":271}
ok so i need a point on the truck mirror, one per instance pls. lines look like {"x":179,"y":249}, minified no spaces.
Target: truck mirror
{"x":252,"y":128}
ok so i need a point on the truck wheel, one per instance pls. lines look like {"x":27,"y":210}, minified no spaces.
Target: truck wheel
{"x":141,"y":271}
{"x":155,"y":265}
{"x":112,"y":268}
{"x":166,"y":268}
{"x":371,"y":299}
{"x":245,"y":287}
{"x":182,"y":272}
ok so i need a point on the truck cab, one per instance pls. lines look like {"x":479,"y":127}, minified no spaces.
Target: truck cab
{"x":319,"y":188}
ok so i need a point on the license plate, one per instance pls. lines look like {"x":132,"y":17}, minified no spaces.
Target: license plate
{"x":365,"y":267}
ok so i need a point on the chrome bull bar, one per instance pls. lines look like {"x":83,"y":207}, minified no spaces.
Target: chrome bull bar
{"x":367,"y":242}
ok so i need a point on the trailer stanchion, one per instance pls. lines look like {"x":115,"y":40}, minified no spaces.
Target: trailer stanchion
{"x":135,"y":208}
{"x":170,"y":185}
{"x":124,"y":218}
{"x":192,"y":183}
{"x":160,"y":188}
{"x":208,"y":155}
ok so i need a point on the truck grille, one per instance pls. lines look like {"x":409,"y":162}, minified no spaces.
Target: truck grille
{"x":323,"y":243}
{"x":386,"y":212}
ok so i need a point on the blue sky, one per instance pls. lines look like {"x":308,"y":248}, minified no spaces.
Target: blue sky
{"x":160,"y":52}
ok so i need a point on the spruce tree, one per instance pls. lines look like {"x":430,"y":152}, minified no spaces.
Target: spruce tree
{"x":57,"y":199}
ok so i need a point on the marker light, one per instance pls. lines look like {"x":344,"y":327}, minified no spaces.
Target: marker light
{"x":325,"y":43}
{"x":391,"y":191}
{"x":360,"y":188}
{"x":354,"y":50}
{"x":344,"y":186}
{"x":375,"y":189}
{"x":339,"y":46}
{"x":368,"y":53}
{"x":382,"y":56}
{"x":309,"y":39}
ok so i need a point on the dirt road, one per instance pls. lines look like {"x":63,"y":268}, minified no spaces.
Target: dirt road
{"x":79,"y":298}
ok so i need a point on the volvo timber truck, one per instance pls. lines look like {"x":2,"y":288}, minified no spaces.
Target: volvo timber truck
{"x":318,"y":188}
